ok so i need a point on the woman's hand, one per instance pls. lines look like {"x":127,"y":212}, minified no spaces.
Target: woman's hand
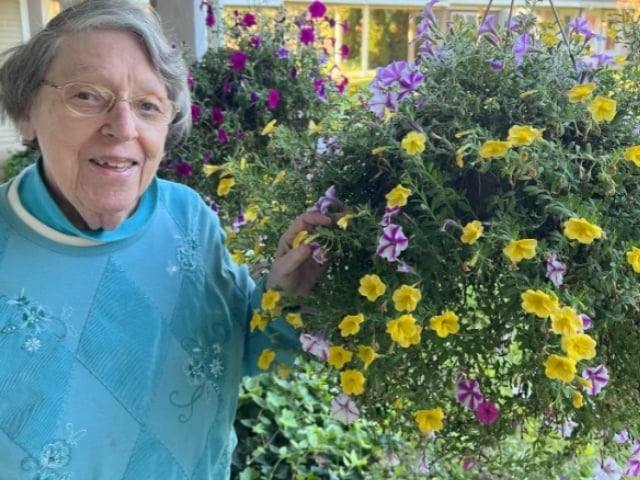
{"x":294,"y":270}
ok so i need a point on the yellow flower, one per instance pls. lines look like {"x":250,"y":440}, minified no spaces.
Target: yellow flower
{"x":471,"y":232}
{"x":581,"y":230}
{"x":523,"y":135}
{"x":602,"y":109}
{"x":266,"y":359}
{"x":406,"y":298}
{"x":579,"y":346}
{"x":522,"y":249}
{"x":258,"y":321}
{"x":494,"y":149}
{"x":343,"y":221}
{"x":350,"y":324}
{"x":632,"y":154}
{"x":404,"y":330}
{"x":371,"y":287}
{"x":338,"y":356}
{"x":352,"y":382}
{"x":562,"y":368}
{"x":430,"y":420}
{"x":620,"y":59}
{"x":238,"y":257}
{"x":252,"y":213}
{"x":538,"y":303}
{"x":414,"y":142}
{"x":270,"y":301}
{"x":398,"y":196}
{"x":314,"y":128}
{"x":578,"y":399}
{"x":299,"y":238}
{"x":269,"y":128}
{"x":209,"y":170}
{"x":279,"y":178}
{"x":445,"y":324}
{"x":633,"y":257}
{"x":378,"y":150}
{"x":224,"y":187}
{"x":294,"y":319}
{"x":584,"y":382}
{"x":579,"y":93}
{"x":284,"y":371}
{"x":548,"y":39}
{"x":367,"y":355}
{"x":565,"y":321}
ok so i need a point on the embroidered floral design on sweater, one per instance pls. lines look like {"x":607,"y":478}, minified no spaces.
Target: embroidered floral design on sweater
{"x":54,"y":456}
{"x":203,"y":370}
{"x":31,"y":322}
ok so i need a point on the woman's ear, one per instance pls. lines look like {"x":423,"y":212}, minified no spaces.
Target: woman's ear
{"x":26,"y":131}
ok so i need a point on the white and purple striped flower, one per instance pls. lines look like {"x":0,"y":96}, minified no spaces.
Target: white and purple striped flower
{"x":392,"y":242}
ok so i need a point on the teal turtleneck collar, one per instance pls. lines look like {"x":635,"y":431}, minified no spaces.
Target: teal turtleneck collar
{"x":36,"y":199}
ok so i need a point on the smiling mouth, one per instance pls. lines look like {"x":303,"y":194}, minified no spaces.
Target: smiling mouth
{"x":117,"y":166}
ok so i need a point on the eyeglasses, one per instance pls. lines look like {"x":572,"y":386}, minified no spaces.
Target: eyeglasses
{"x":91,"y":100}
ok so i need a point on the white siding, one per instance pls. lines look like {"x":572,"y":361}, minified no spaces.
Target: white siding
{"x":10,"y":35}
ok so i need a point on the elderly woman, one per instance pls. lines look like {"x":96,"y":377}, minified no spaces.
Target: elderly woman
{"x":124,"y":324}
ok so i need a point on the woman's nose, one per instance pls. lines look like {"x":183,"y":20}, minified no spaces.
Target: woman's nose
{"x":121,"y":121}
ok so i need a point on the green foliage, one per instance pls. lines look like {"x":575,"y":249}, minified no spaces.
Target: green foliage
{"x":18,"y":161}
{"x":575,"y":165}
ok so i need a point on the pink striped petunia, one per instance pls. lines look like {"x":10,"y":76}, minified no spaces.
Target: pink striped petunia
{"x":392,"y":242}
{"x":598,"y":376}
{"x":468,"y":394}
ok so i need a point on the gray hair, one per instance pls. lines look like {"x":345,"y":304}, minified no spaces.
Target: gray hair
{"x":25,"y":66}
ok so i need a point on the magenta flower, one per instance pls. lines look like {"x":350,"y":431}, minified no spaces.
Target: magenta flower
{"x":468,"y":464}
{"x":195,"y":112}
{"x":307,"y":36}
{"x":317,"y":9}
{"x":598,"y":376}
{"x":344,"y":409}
{"x":210,"y":19}
{"x":316,"y":346}
{"x":184,"y":169}
{"x":344,"y":51}
{"x":190,"y":80}
{"x":487,"y":413}
{"x":555,"y":270}
{"x":392,"y":242}
{"x":217,"y":115}
{"x":249,"y":20}
{"x":222,"y":136}
{"x":256,"y":40}
{"x":468,"y":394}
{"x":238,"y":61}
{"x":274,"y":98}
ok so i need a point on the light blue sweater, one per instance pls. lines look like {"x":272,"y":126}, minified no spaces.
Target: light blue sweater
{"x":121,"y":353}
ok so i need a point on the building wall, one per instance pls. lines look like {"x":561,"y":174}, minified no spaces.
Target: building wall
{"x":11,"y":33}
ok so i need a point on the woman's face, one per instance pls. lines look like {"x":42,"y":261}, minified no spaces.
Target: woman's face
{"x":97,"y":167}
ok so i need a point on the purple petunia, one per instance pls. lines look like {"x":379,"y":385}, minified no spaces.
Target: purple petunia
{"x":238,"y":61}
{"x":273,"y":98}
{"x":317,"y":9}
{"x":487,"y":413}
{"x":307,"y":36}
